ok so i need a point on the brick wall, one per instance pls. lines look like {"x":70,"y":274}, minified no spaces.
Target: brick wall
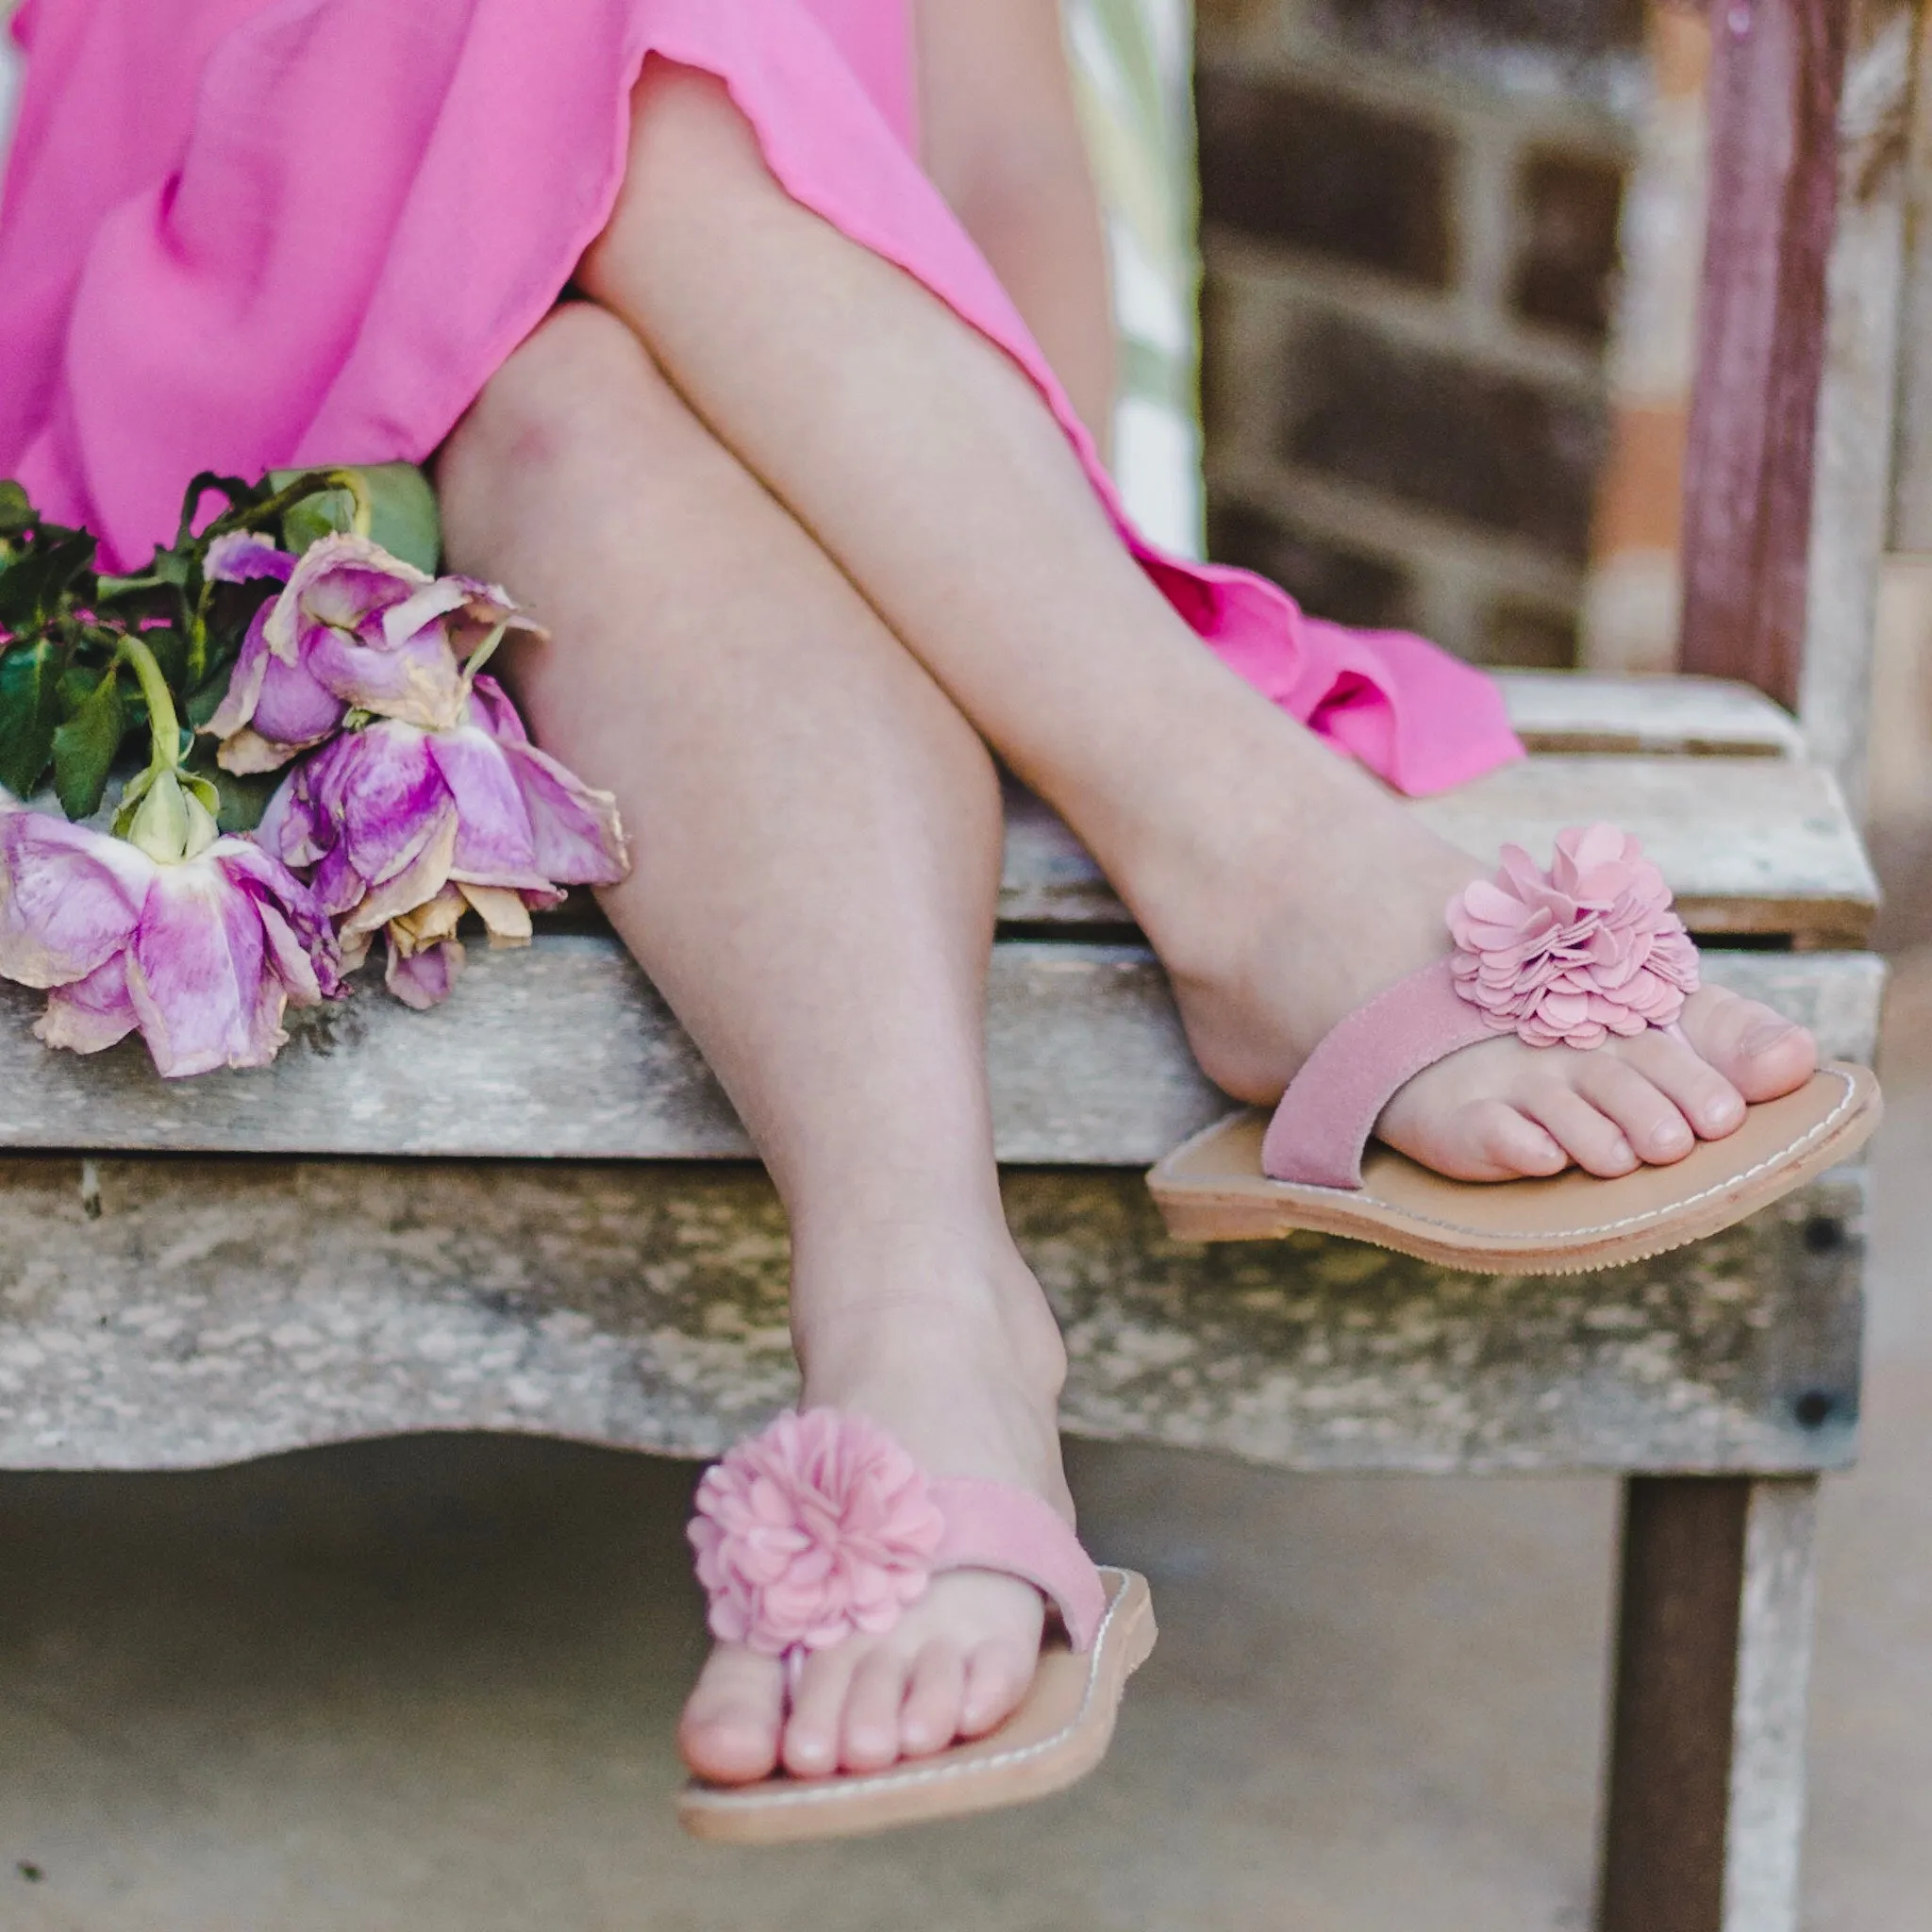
{"x":1410,"y":215}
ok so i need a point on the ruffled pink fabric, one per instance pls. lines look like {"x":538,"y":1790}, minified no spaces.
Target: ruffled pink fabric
{"x":1569,"y":956}
{"x":817,"y":1528}
{"x":246,"y":234}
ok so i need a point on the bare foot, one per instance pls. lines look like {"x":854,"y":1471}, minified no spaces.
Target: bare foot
{"x":1355,"y":904}
{"x":970,"y":1385}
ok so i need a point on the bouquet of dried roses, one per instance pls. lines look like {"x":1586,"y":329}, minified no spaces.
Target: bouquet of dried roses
{"x":324,"y":760}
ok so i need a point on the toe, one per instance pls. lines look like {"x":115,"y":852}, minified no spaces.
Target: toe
{"x":730,"y":1731}
{"x":1759,"y":1052}
{"x":930,"y":1718}
{"x":815,"y":1730}
{"x":1695,"y":1084}
{"x":871,"y":1740}
{"x":1649,"y":1119}
{"x":996,"y":1679}
{"x":1589,"y":1137}
{"x":1505,"y":1143}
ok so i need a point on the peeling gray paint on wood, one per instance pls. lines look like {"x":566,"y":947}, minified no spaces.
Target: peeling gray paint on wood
{"x":168,"y":1314}
{"x":566,"y":1051}
{"x":1765,"y":1825}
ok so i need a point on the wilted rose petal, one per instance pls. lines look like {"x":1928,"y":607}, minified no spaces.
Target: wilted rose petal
{"x":243,"y":556}
{"x":202,"y":955}
{"x":405,"y":826}
{"x":69,"y":897}
{"x":93,"y":1013}
{"x":427,"y":978}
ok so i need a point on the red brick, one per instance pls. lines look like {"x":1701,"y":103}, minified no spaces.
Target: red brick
{"x":1493,"y":449}
{"x":1326,"y":581}
{"x":1529,"y":638}
{"x":1571,"y":34}
{"x":1291,"y":166}
{"x":1566,"y":265}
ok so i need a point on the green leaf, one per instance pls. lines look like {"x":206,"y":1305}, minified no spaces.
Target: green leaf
{"x":403,"y":516}
{"x":238,"y":492}
{"x":29,"y":713}
{"x":171,"y":653}
{"x":58,"y":561}
{"x":16,"y":510}
{"x":84,"y":747}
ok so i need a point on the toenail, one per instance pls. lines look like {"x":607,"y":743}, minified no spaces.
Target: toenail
{"x":1768,"y":1034}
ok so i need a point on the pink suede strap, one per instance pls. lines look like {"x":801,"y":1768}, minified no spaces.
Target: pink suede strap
{"x":1325,"y":1120}
{"x":993,"y":1525}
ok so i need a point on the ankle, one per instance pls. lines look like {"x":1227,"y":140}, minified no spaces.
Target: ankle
{"x":981,"y":1316}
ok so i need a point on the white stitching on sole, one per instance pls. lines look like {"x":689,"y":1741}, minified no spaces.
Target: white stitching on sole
{"x":1555,"y":1234}
{"x":865,"y":1783}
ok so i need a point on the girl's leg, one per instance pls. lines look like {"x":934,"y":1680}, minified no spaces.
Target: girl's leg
{"x":816,"y":837}
{"x":1279,"y":885}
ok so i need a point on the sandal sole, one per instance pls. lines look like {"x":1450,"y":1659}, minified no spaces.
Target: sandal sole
{"x":1211,"y":1188}
{"x":1057,"y":1735}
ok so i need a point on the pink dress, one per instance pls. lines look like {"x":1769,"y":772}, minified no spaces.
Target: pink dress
{"x":240,"y":235}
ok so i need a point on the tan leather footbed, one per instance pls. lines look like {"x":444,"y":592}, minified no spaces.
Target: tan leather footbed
{"x":1059,"y":1734}
{"x":1212,"y":1189}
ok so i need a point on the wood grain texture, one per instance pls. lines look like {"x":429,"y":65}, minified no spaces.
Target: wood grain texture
{"x":1851,"y":502}
{"x":1659,"y":717}
{"x":173,"y":1313}
{"x":1765,"y":1829}
{"x":566,"y":1051}
{"x":1911,"y":500}
{"x":1672,"y":1708}
{"x":1749,"y":844}
{"x":1777,"y":72}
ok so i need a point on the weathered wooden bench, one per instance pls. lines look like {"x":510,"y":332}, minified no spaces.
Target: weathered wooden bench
{"x":533,"y":1210}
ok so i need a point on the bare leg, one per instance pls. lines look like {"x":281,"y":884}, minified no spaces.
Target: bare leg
{"x":1280,"y":886}
{"x":817,"y":834}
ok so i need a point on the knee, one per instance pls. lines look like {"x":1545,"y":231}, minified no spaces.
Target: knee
{"x":580,"y":377}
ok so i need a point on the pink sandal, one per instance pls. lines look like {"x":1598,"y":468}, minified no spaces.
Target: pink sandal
{"x":822,"y":1526}
{"x":1570,"y":956}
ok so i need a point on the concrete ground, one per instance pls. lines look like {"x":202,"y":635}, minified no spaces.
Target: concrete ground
{"x":431,"y":1684}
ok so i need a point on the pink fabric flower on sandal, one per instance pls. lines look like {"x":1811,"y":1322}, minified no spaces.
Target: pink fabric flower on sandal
{"x":818,"y":1528}
{"x":1569,"y":956}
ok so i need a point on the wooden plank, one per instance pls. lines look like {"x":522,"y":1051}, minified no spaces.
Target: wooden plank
{"x":1750,"y":845}
{"x":171,"y":1313}
{"x":1777,"y":71}
{"x":1852,"y":487}
{"x":566,"y":1051}
{"x":1765,"y":1833}
{"x":1912,"y":498}
{"x":1572,"y":711}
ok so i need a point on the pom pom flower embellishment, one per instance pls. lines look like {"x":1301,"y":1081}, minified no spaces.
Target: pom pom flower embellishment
{"x":1571,"y":956}
{"x":820,"y":1527}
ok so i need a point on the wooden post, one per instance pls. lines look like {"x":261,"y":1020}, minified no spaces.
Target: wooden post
{"x":1707,"y":1786}
{"x":1663,"y":1863}
{"x":1777,"y":69}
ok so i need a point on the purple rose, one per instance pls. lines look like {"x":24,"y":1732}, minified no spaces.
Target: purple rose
{"x":353,"y":628}
{"x":202,"y":955}
{"x":408,"y":828}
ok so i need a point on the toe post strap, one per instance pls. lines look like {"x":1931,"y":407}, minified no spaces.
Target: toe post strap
{"x":822,"y":1526}
{"x":1322,"y":1126}
{"x":1566,"y":956}
{"x":996,"y":1526}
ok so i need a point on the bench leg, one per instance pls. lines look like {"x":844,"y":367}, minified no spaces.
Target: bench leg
{"x":1705,"y":1803}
